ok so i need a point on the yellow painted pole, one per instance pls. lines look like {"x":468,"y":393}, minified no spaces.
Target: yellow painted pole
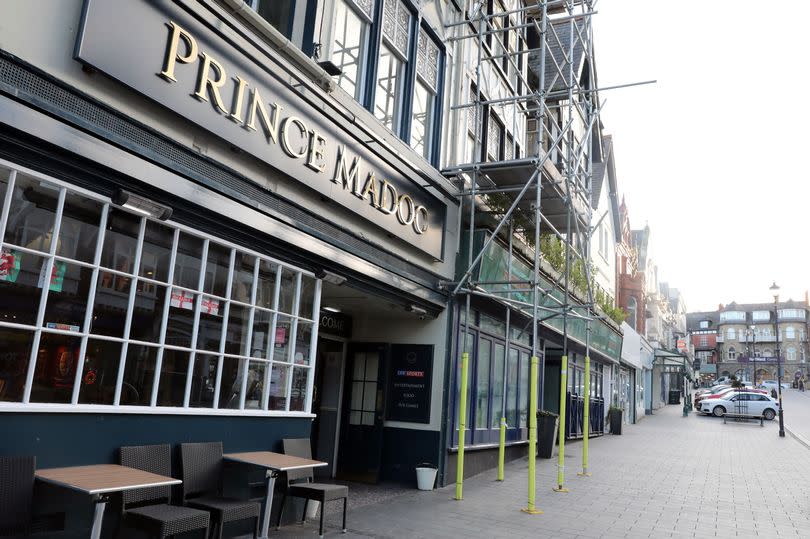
{"x":462,"y":424}
{"x":587,"y":418}
{"x":561,"y":442}
{"x":502,"y":449}
{"x":532,"y":436}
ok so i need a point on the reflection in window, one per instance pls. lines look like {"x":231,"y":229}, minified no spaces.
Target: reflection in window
{"x":31,"y":214}
{"x":67,"y":296}
{"x":278,"y":387}
{"x":101,"y":362}
{"x":173,"y":373}
{"x":203,"y":381}
{"x":79,"y":230}
{"x":231,"y":383}
{"x":349,"y":47}
{"x":20,"y":289}
{"x":15,"y":352}
{"x":139,"y":373}
{"x":388,"y":99}
{"x":497,"y":385}
{"x":512,"y":387}
{"x":255,"y":385}
{"x":299,"y":390}
{"x":120,"y":241}
{"x":482,"y":383}
{"x":156,"y":254}
{"x":55,"y":369}
{"x":422,"y":126}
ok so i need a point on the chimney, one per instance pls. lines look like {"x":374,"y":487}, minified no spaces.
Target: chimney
{"x":806,"y":300}
{"x":720,"y":307}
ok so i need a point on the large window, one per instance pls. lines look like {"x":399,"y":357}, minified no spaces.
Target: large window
{"x":391,"y":65}
{"x":632,"y":312}
{"x":732,"y":353}
{"x":106,"y":307}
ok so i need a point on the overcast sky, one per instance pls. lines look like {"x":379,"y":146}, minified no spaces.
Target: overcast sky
{"x":713,"y":155}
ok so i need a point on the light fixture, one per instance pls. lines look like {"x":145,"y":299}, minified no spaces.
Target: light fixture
{"x":332,"y":309}
{"x":330,"y":68}
{"x":329,"y":277}
{"x":775,"y":291}
{"x":141,"y":205}
{"x":416,"y":310}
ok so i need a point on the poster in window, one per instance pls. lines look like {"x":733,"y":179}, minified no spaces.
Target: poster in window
{"x":9,"y":265}
{"x":410,"y":376}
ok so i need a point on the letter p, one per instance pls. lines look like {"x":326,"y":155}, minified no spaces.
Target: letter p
{"x":176,"y":33}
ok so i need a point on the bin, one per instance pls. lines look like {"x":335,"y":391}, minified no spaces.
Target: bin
{"x":426,"y":476}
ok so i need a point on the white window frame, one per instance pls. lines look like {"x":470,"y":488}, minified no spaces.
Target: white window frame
{"x":11,"y":171}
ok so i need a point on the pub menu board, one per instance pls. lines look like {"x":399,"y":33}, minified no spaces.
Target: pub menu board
{"x":409,"y":383}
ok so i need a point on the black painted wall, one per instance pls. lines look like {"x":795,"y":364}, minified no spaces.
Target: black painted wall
{"x":404,"y":449}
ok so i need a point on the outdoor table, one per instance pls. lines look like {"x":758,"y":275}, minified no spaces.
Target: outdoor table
{"x":99,"y":480}
{"x":274,"y":463}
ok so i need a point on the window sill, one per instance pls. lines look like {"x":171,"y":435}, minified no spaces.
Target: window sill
{"x":7,"y":407}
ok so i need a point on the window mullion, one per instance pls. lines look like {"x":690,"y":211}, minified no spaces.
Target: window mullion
{"x":196,"y":326}
{"x":271,"y":341}
{"x":224,"y":334}
{"x":45,"y":281}
{"x":91,"y":301}
{"x":12,"y":179}
{"x":249,"y":339}
{"x":293,"y":336}
{"x":130,"y":307}
{"x":167,"y":305}
{"x":313,"y":343}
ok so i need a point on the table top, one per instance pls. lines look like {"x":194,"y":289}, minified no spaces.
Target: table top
{"x":274,"y":461}
{"x":103,"y":478}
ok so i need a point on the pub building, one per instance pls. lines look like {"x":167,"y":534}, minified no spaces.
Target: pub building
{"x":205,"y":236}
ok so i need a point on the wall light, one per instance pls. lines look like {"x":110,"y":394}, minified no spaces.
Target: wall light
{"x":329,"y":277}
{"x":416,"y":310}
{"x":141,"y":205}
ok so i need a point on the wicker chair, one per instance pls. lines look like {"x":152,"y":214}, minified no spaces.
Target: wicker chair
{"x":16,"y":495}
{"x":321,"y":492}
{"x":148,"y":509}
{"x":202,"y":486}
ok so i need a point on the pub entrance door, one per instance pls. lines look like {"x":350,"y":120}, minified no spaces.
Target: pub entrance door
{"x":361,"y":431}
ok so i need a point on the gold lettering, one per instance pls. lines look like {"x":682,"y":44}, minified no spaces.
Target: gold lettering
{"x":370,"y":189}
{"x":270,"y":127}
{"x":348,"y":177}
{"x":317,"y":145}
{"x":204,"y":81}
{"x":176,"y":34}
{"x":285,"y":139}
{"x":420,"y":229}
{"x":238,"y":95}
{"x":411,"y":210}
{"x":384,"y":205}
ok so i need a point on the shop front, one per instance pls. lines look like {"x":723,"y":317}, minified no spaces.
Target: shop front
{"x":184,"y":259}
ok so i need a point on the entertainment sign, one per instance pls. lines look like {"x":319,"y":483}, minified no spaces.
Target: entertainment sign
{"x":410,"y":376}
{"x":197,"y":68}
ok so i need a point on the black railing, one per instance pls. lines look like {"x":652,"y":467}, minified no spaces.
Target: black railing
{"x":575,"y":416}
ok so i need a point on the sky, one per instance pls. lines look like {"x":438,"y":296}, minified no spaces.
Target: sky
{"x":713,"y":155}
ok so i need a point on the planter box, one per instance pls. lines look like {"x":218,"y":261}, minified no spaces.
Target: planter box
{"x":615,"y":418}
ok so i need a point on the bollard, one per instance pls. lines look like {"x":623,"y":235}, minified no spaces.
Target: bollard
{"x":561,"y":441}
{"x":586,"y":420}
{"x":502,"y":449}
{"x":532,"y":437}
{"x":462,"y":423}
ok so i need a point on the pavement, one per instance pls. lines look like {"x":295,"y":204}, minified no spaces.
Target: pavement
{"x":797,"y":414}
{"x":667,"y":476}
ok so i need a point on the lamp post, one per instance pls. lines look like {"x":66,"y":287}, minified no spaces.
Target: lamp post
{"x":775,"y":292}
{"x":754,"y":352}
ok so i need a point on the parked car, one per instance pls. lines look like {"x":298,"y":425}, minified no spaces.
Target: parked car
{"x":772,"y":384}
{"x":755,"y":404}
{"x":723,"y":393}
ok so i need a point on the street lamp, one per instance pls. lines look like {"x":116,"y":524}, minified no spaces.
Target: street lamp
{"x":775,"y":292}
{"x":753,"y":358}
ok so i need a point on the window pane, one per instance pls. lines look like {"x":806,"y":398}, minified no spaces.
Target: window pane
{"x":157,"y":251}
{"x":231,"y":387}
{"x":287,"y":292}
{"x":255,"y":386}
{"x":181,"y":318}
{"x":278,"y":13}
{"x":236,"y":338}
{"x":243,"y":278}
{"x":216,"y":272}
{"x":482,"y":383}
{"x":470,"y":349}
{"x":278,"y":387}
{"x":262,"y":324}
{"x":370,"y":396}
{"x":266,"y":288}
{"x":19,"y":286}
{"x":138,"y":375}
{"x":210,"y":330}
{"x":348,"y":49}
{"x":307,"y":301}
{"x":357,"y":395}
{"x":31,"y":214}
{"x":388,"y":97}
{"x":173,"y":373}
{"x":120,"y":241}
{"x":55,"y":369}
{"x":203,"y":381}
{"x":101,"y":362}
{"x":281,"y":350}
{"x":79,"y":230}
{"x":524,"y":390}
{"x":187,"y":265}
{"x":511,"y":388}
{"x":422,"y":126}
{"x":15,"y":352}
{"x":67,"y":297}
{"x":147,"y":315}
{"x":299,"y":389}
{"x":497,"y":385}
{"x":303,"y":338}
{"x":110,"y":306}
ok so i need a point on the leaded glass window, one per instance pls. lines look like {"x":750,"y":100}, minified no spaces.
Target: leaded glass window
{"x":397,"y":25}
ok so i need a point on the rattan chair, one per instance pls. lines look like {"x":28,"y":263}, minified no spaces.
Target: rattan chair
{"x":202,"y":487}
{"x":320,"y":492}
{"x":16,"y":495}
{"x":148,"y":509}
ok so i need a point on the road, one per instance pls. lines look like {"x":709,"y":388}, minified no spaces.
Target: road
{"x":668,"y":476}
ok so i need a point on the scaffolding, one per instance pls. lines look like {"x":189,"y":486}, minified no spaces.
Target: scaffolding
{"x":540,"y":198}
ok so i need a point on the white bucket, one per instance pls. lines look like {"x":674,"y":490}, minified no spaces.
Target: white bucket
{"x":312,"y":508}
{"x":425,"y":478}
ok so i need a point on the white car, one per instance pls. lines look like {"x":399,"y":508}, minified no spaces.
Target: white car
{"x":772,"y":385}
{"x":754,"y":404}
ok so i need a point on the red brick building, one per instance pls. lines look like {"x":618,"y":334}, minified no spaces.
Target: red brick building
{"x":630,"y":294}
